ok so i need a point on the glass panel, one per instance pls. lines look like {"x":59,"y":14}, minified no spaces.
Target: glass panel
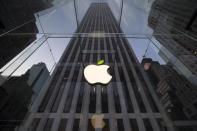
{"x":90,"y":126}
{"x":92,"y":105}
{"x":116,"y":7}
{"x":147,"y":125}
{"x":81,"y":8}
{"x":148,"y":47}
{"x":185,"y":128}
{"x":50,"y":22}
{"x":104,"y":99}
{"x":168,"y":67}
{"x":134,"y":125}
{"x":62,"y":125}
{"x":34,"y":124}
{"x":106,"y":127}
{"x":15,"y":46}
{"x":24,"y":77}
{"x":135,"y":17}
{"x":17,"y":13}
{"x":48,"y":124}
{"x":76,"y":125}
{"x":120,"y":125}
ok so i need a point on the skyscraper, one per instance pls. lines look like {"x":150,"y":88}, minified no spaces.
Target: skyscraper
{"x":177,"y":94}
{"x":69,"y":103}
{"x":177,"y":17}
{"x":14,"y":14}
{"x":18,"y":93}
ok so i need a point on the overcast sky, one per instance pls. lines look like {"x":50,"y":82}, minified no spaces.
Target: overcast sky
{"x":61,"y":19}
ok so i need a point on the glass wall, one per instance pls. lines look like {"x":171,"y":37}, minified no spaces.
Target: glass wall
{"x":150,"y":47}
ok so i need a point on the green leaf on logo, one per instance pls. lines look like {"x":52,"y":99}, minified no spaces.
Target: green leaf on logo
{"x":100,"y":62}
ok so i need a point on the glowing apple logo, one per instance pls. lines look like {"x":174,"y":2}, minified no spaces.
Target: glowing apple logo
{"x":97,"y":121}
{"x":97,"y":73}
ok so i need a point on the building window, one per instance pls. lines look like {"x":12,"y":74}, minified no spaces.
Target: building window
{"x":189,"y":111}
{"x":191,"y":21}
{"x":134,"y":124}
{"x":195,"y":105}
{"x":120,"y":125}
{"x":147,"y":124}
{"x":76,"y":125}
{"x":2,"y":26}
{"x":63,"y":124}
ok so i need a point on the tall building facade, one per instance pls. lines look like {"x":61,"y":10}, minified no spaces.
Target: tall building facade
{"x":18,"y":93}
{"x":178,"y":95}
{"x":69,"y":103}
{"x":172,"y":18}
{"x":18,"y":15}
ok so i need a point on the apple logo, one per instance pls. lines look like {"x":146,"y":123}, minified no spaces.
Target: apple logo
{"x":97,"y":121}
{"x":97,"y":73}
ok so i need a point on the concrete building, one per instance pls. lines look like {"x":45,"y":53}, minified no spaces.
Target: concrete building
{"x":18,"y":93}
{"x":70,"y":103}
{"x":128,"y":103}
{"x":174,"y":23}
{"x":176,"y":93}
{"x":38,"y":75}
{"x":18,"y":15}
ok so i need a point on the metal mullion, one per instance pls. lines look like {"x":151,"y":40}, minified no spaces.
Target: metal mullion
{"x":65,"y":97}
{"x":121,"y":11}
{"x":83,"y":27}
{"x":100,"y":18}
{"x":142,"y":93}
{"x":111,"y":101}
{"x":76,"y":42}
{"x":110,"y":105}
{"x":51,"y":100}
{"x":131,"y":92}
{"x":120,"y":91}
{"x":76,"y":13}
{"x":84,"y":109}
{"x":156,"y":99}
{"x":79,"y":82}
{"x":88,"y":13}
{"x":93,"y":28}
{"x":106,"y":59}
{"x":76,"y":94}
{"x":80,"y":42}
{"x":59,"y":81}
{"x":31,"y":116}
{"x":98,"y":87}
{"x":144,"y":97}
{"x":53,"y":96}
{"x":160,"y":106}
{"x":107,"y":115}
{"x":71,"y":118}
{"x":113,"y":125}
{"x":66,"y":89}
{"x":86,"y":18}
{"x":93,"y":41}
{"x":93,"y":44}
{"x":153,"y":120}
{"x":136,"y":109}
{"x":69,"y":127}
{"x":85,"y":103}
{"x":110,"y":91}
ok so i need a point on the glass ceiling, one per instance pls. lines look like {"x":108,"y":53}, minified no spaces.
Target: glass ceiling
{"x":62,"y":17}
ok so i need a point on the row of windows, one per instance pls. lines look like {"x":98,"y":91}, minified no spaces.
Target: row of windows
{"x":119,"y":125}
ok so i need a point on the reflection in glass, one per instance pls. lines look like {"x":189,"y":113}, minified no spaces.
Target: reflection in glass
{"x":152,"y":57}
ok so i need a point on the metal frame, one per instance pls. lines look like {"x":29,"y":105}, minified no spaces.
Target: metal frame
{"x":53,"y":106}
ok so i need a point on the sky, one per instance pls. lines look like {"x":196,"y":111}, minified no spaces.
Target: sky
{"x":61,"y":19}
